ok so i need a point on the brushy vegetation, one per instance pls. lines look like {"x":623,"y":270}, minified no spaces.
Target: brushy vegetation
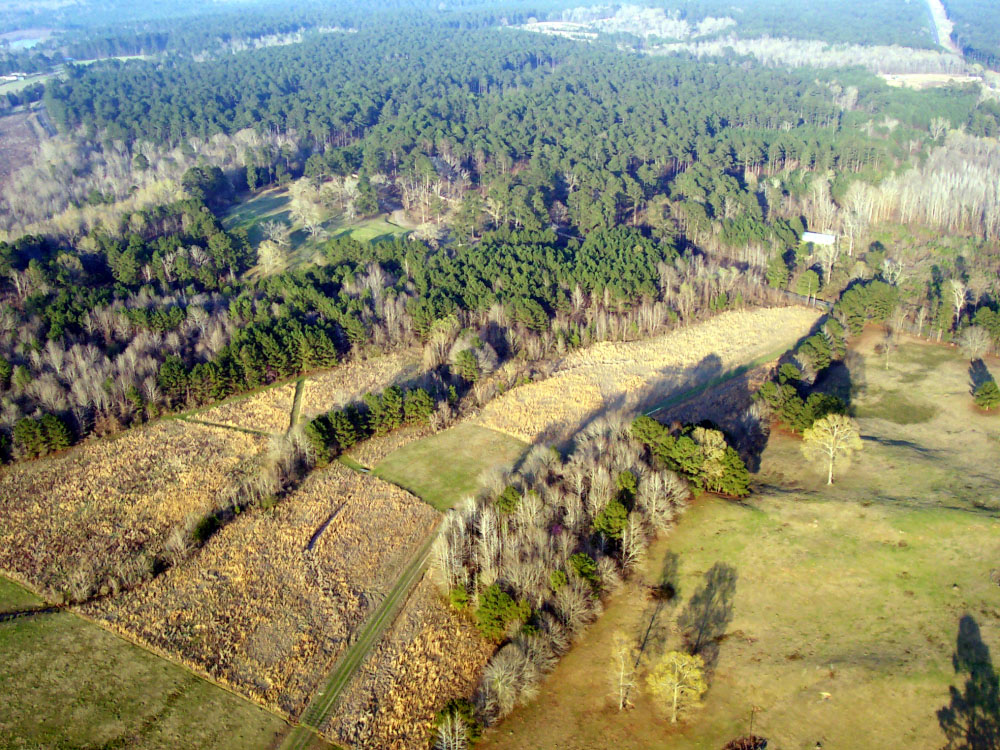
{"x":273,"y":597}
{"x":106,"y":516}
{"x":427,"y":656}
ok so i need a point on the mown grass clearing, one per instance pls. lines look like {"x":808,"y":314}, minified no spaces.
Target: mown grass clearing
{"x":847,"y":601}
{"x":444,"y":468}
{"x":67,"y":683}
{"x":275,"y":205}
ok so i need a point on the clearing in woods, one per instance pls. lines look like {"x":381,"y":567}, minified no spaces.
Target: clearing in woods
{"x":65,"y":682}
{"x":847,"y":599}
{"x":274,"y":205}
{"x":445,"y":468}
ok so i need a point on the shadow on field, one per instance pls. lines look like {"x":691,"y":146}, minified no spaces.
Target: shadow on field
{"x":706,"y":617}
{"x":971,"y":720}
{"x":978,"y":374}
{"x":663,"y":595}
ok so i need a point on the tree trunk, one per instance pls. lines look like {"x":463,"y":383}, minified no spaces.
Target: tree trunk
{"x":829,"y":476}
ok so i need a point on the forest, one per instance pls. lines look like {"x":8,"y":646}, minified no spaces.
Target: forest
{"x":185,"y":242}
{"x":538,"y":156}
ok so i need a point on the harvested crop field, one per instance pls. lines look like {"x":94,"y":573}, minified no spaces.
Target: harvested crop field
{"x":97,"y":514}
{"x":638,"y":376}
{"x":276,"y":594}
{"x":352,"y":380}
{"x":428,"y":657}
{"x":270,"y":410}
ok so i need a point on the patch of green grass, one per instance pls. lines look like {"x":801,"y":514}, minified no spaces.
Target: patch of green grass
{"x":895,"y":406}
{"x":65,"y":682}
{"x":14,"y":597}
{"x":445,"y":468}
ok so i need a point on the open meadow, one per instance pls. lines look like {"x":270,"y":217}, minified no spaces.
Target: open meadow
{"x":273,"y":597}
{"x":93,"y":519}
{"x":842,"y":622}
{"x":66,"y":683}
{"x":446,"y":467}
{"x":350,"y":381}
{"x":638,"y":376}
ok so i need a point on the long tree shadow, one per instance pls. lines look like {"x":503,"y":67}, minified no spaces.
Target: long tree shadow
{"x":663,"y":595}
{"x":971,"y":720}
{"x":978,"y":374}
{"x":706,"y":617}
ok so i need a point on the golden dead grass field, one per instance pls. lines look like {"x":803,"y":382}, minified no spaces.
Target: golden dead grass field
{"x":100,"y":510}
{"x":275,"y":595}
{"x":427,"y":657}
{"x":847,"y":601}
{"x":352,"y":380}
{"x":267,"y":411}
{"x":635,"y":376}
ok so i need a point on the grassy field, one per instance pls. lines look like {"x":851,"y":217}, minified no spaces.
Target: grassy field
{"x":65,"y":683}
{"x":274,"y":204}
{"x":444,"y":468}
{"x":847,"y":600}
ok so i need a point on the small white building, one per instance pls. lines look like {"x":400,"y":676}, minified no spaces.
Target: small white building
{"x":818,"y":238}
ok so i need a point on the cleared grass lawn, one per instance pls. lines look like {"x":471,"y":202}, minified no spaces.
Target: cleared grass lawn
{"x":274,"y":204}
{"x":445,"y":468}
{"x":65,"y":682}
{"x":847,"y":600}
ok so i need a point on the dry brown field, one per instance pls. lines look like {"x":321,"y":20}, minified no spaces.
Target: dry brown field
{"x":274,"y":597}
{"x":267,"y":411}
{"x":88,"y":519}
{"x":352,"y":380}
{"x":921,"y":81}
{"x":426,"y":658}
{"x":635,"y":376}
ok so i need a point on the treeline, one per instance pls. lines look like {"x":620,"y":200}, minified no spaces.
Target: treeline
{"x":531,"y":557}
{"x":120,"y":330}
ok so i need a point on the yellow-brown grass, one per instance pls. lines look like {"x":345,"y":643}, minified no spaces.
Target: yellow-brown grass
{"x":634,"y":376}
{"x":267,"y":411}
{"x":428,"y":657}
{"x":99,"y":510}
{"x":353,"y":379}
{"x":274,"y":596}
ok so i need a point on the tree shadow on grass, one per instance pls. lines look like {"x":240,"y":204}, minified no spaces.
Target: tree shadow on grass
{"x":971,"y":720}
{"x":706,"y":617}
{"x":978,"y":374}
{"x":663,"y":596}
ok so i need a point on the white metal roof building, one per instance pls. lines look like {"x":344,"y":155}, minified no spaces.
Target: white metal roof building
{"x":818,"y":238}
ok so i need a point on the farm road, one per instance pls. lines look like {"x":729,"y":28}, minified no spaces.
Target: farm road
{"x":321,"y":707}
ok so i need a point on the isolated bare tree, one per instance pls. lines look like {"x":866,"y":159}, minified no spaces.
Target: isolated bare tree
{"x":835,"y":437}
{"x":623,"y":667}
{"x":959,"y":294}
{"x":975,"y":342}
{"x":678,"y":680}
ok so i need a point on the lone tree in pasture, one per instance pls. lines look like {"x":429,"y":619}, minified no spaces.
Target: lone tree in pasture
{"x":974,"y":342}
{"x":622,"y":667}
{"x":832,"y":438}
{"x":678,"y":680}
